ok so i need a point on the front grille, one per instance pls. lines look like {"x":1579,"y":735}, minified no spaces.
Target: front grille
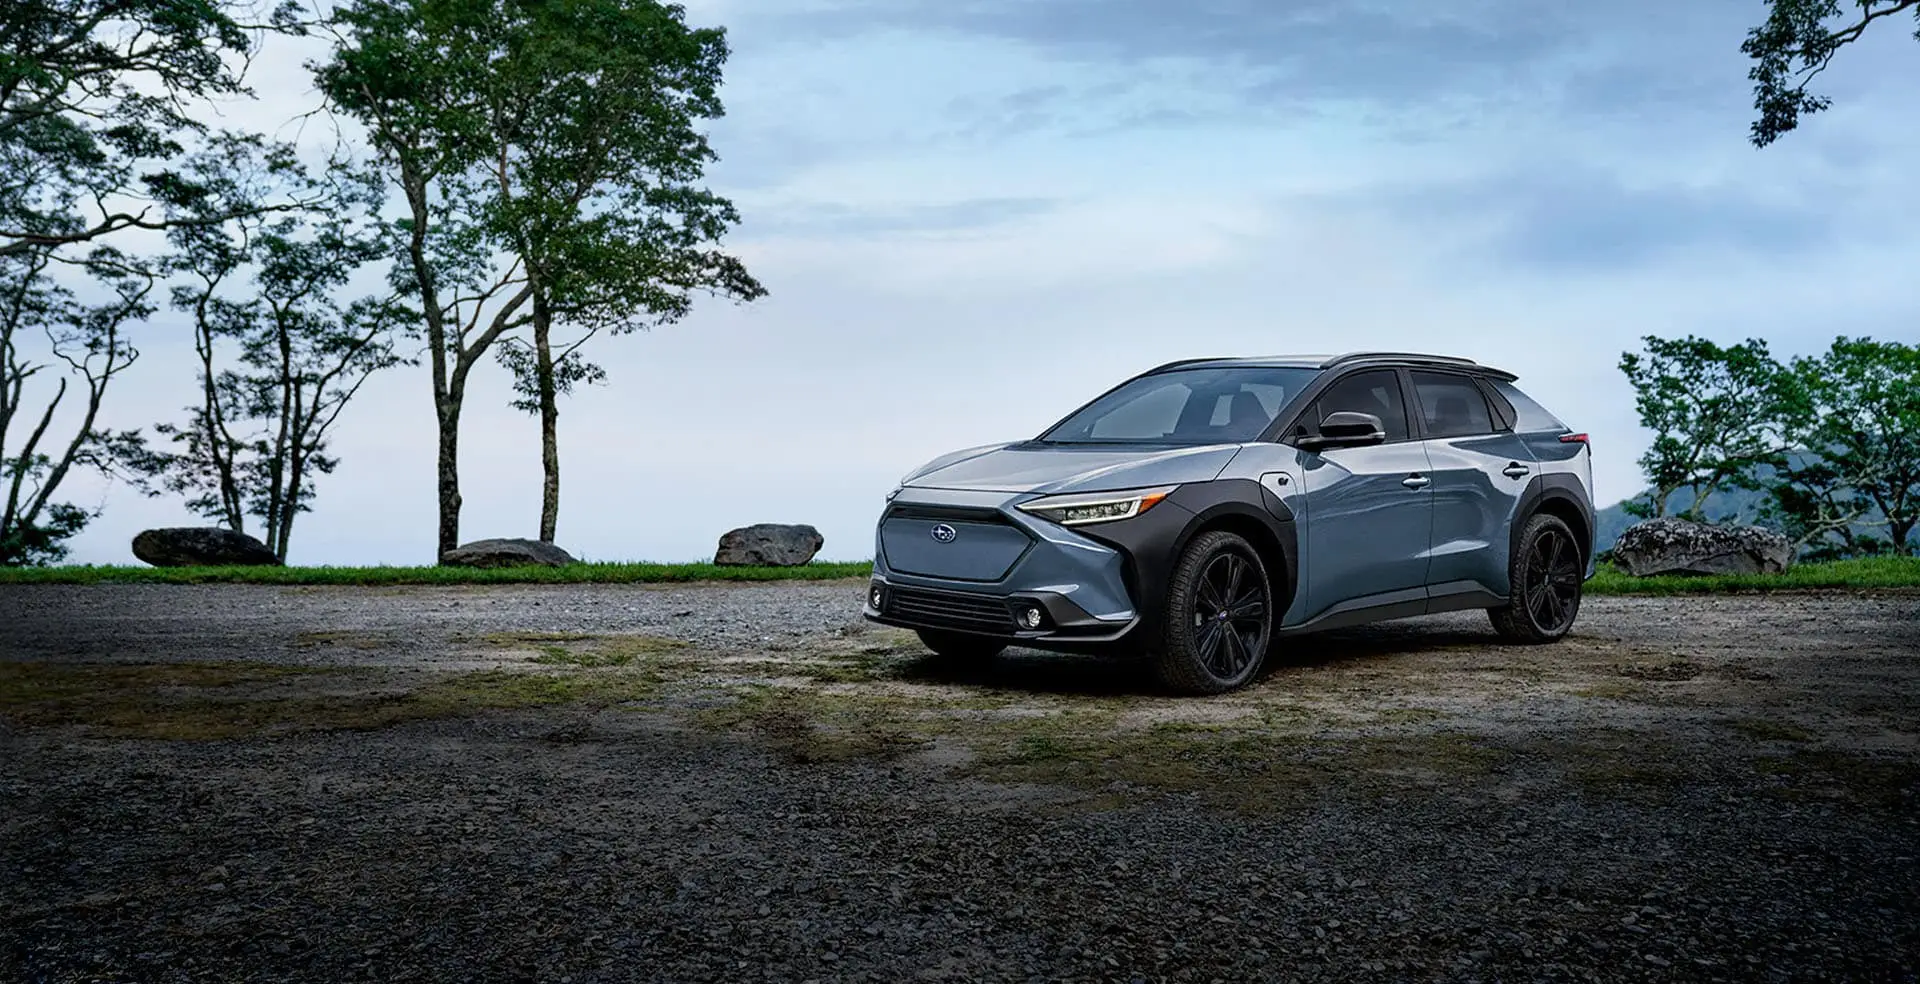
{"x":949,"y":610}
{"x":963,"y":514}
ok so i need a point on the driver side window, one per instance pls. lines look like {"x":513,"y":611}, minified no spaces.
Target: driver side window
{"x":1376,"y":392}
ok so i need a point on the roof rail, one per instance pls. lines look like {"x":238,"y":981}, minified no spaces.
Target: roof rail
{"x":1452,"y":360}
{"x":1419,"y":358}
{"x":1177,"y":363}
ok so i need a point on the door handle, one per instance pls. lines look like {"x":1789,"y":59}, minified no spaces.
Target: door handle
{"x":1416,"y":481}
{"x":1515,"y":469}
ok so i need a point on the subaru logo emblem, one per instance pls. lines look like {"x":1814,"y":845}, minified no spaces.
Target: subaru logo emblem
{"x":945,"y":533}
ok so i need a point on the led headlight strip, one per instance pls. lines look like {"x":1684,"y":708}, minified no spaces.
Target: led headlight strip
{"x":1102,"y":507}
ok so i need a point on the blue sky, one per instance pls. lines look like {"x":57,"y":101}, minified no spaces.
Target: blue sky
{"x":972,"y":215}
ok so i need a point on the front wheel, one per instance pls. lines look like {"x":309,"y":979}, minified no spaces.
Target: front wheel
{"x":1545,"y":578}
{"x":1219,"y":616}
{"x":958,"y":647}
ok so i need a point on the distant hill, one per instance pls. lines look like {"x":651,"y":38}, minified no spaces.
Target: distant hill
{"x":1727,"y":506}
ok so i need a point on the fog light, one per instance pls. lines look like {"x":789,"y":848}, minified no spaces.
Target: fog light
{"x":1031,"y":618}
{"x":876,"y":596}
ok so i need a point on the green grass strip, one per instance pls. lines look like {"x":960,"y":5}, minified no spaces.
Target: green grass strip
{"x":377,"y":576}
{"x":1864,"y":574}
{"x":1861,"y":574}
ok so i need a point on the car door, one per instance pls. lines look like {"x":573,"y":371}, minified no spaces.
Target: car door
{"x":1369,"y":513}
{"x":1480,"y":468}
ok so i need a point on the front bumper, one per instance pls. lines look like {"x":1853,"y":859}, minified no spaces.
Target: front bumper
{"x":1078,"y":585}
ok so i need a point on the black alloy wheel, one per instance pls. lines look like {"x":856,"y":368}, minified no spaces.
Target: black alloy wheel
{"x":1220,"y":616}
{"x":1545,"y":578}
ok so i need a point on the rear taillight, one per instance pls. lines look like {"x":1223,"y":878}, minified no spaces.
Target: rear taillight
{"x":1573,"y":439}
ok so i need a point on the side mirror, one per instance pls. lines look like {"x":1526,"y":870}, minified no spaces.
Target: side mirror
{"x":1347,"y":429}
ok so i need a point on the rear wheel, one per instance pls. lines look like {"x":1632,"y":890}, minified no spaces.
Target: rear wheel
{"x":958,"y":647}
{"x":1545,"y":577}
{"x":1219,"y":616}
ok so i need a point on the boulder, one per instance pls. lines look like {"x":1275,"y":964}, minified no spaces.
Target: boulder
{"x":1678,"y":546}
{"x":768,"y":545}
{"x":507,"y":553}
{"x":196,"y":546}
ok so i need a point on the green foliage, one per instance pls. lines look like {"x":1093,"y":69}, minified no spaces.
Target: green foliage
{"x":43,"y":540}
{"x":549,"y":154}
{"x":1713,"y":413}
{"x":1831,"y":443}
{"x":1856,"y":409}
{"x":58,"y":356}
{"x":280,"y":351}
{"x":642,"y":573}
{"x":1798,"y":40}
{"x":95,"y":108}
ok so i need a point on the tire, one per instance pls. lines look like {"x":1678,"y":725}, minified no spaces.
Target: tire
{"x":1204,"y":647}
{"x":1545,"y":576}
{"x":958,"y":647}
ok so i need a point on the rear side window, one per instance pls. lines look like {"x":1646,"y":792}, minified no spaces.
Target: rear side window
{"x":1530,"y":416}
{"x":1376,"y":392}
{"x":1452,"y":405}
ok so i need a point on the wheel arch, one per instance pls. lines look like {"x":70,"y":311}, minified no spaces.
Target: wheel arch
{"x":1557,"y":496}
{"x":1273,"y":538}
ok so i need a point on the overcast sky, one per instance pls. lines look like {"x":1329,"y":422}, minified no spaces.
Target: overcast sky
{"x":973,"y":215}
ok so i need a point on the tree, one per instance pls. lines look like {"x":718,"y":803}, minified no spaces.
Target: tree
{"x":84,"y":349}
{"x":97,"y":107}
{"x":597,"y":164}
{"x":1797,"y":42}
{"x":281,"y":354}
{"x":1714,"y":413}
{"x":547,"y":153}
{"x":95,"y":103}
{"x":1860,"y":413}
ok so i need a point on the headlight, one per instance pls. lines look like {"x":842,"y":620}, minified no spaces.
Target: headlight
{"x":1101,"y":507}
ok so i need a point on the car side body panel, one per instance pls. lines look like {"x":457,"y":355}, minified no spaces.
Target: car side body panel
{"x":1477,"y":485}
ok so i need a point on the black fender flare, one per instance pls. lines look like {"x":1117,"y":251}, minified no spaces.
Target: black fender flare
{"x":1558,"y":489}
{"x":1246,"y":502}
{"x":1153,"y":542}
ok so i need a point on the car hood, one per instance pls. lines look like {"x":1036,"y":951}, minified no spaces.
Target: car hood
{"x":1030,"y":467}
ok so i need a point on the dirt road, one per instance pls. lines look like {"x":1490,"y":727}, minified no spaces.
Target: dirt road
{"x":709,"y":783}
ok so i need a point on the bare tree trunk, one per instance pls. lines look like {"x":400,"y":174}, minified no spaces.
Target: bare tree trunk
{"x":448,"y":412}
{"x":213,"y":417}
{"x":549,"y":417}
{"x":279,"y":537}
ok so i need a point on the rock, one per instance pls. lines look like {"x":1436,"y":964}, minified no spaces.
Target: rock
{"x":1679,"y":546}
{"x":768,"y":545}
{"x":507,"y":553}
{"x":195,"y":546}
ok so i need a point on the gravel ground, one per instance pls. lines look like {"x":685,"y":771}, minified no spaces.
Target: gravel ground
{"x":1687,"y":789}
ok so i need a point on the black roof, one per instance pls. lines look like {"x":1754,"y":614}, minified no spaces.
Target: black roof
{"x":1331,"y":361}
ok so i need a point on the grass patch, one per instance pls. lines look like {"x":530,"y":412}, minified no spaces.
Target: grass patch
{"x":1877,"y":780}
{"x":1250,"y":764}
{"x":1860,"y":574}
{"x":380,"y":576}
{"x":207,"y":701}
{"x":807,"y":727}
{"x":1765,"y":729}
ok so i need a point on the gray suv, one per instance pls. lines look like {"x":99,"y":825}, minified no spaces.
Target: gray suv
{"x":1200,"y":511}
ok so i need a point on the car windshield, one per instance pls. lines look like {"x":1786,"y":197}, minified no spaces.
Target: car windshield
{"x":1185,"y":406}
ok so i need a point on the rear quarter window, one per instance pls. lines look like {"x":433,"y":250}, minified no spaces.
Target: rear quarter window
{"x":1532,"y":416}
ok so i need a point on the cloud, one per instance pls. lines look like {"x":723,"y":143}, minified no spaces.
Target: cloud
{"x":897,"y":220}
{"x":1582,"y":219}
